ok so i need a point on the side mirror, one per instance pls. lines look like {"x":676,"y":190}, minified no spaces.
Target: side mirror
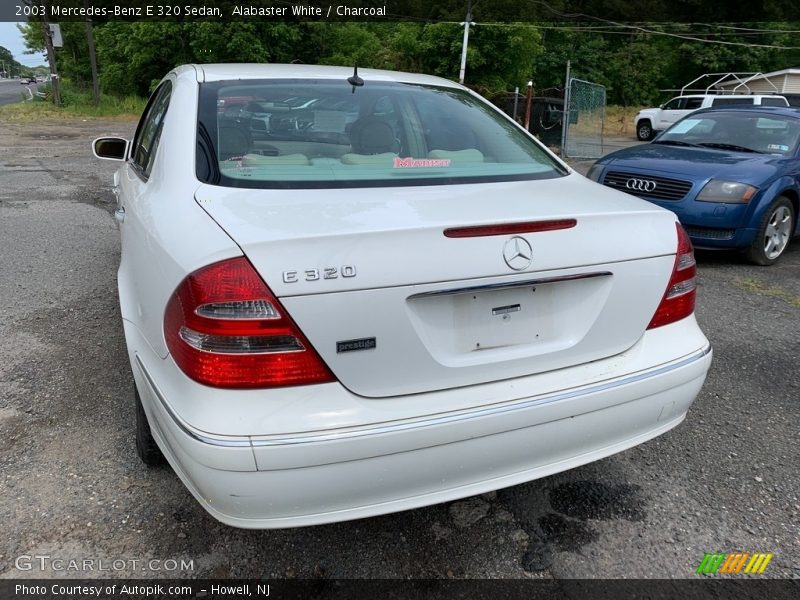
{"x":110,"y":148}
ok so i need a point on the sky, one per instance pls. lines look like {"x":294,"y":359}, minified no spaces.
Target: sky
{"x":11,"y":39}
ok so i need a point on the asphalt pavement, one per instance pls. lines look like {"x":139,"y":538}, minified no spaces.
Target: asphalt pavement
{"x":71,"y":487}
{"x":11,"y":90}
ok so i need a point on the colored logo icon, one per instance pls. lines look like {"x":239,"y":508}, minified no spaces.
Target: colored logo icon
{"x":734,"y":563}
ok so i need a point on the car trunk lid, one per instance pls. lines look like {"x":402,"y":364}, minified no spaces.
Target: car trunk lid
{"x":394,"y":306}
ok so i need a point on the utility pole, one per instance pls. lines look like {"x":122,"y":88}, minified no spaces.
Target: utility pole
{"x":92,"y":54}
{"x":51,"y":57}
{"x":516,"y":101}
{"x":528,"y":106}
{"x":467,"y":22}
{"x":565,"y":118}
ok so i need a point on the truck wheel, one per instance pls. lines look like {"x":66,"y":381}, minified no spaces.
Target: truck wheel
{"x":644,"y":131}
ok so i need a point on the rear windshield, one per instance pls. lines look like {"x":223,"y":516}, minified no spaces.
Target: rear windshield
{"x":322,"y":133}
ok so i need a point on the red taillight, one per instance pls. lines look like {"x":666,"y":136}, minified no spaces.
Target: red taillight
{"x":225,"y":328}
{"x":678,"y":300}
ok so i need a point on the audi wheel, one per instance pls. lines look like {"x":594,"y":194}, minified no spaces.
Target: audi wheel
{"x":774,"y":233}
{"x":644,"y":131}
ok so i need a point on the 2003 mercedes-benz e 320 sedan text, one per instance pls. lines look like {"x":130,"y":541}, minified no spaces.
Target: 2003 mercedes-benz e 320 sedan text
{"x":347,"y":294}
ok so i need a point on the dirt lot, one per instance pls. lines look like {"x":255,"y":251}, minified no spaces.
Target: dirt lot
{"x":71,"y":486}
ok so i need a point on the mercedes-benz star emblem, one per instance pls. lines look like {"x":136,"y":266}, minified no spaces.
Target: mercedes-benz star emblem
{"x":641,"y":185}
{"x":518,"y":253}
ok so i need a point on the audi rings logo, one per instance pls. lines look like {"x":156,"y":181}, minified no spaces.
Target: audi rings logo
{"x":641,"y":185}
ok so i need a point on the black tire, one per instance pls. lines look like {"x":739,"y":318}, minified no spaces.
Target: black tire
{"x":774,"y":233}
{"x":146,"y":447}
{"x":644,"y":131}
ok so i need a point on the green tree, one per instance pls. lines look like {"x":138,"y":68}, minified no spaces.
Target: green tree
{"x":72,"y":59}
{"x":12,"y":67}
{"x":347,"y":44}
{"x":133,"y":57}
{"x":635,"y":65}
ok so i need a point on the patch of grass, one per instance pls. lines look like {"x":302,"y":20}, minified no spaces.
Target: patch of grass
{"x":75,"y":103}
{"x":619,"y":120}
{"x":754,"y":286}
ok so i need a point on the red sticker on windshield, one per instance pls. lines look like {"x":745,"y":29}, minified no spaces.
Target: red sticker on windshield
{"x":408,"y":162}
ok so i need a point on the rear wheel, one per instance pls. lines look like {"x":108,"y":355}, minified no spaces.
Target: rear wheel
{"x":146,"y":447}
{"x":774,"y":233}
{"x":644,"y":131}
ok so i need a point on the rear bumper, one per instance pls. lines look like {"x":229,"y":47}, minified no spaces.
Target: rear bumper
{"x":290,"y":480}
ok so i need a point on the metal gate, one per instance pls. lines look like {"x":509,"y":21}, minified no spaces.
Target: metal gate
{"x":584,"y":114}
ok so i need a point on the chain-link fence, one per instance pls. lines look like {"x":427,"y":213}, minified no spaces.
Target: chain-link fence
{"x":546,"y":113}
{"x":571,"y":126}
{"x":582,"y":129}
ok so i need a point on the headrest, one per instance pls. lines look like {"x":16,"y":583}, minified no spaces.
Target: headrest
{"x":372,"y":135}
{"x":232,"y":142}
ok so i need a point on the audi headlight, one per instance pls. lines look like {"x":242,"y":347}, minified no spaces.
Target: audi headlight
{"x":726,"y":191}
{"x":595,"y":171}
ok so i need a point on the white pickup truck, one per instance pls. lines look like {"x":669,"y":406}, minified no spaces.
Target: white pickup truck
{"x":651,"y":121}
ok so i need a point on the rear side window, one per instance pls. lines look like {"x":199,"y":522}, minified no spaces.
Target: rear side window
{"x":693,"y":103}
{"x":148,"y":134}
{"x":324,"y":134}
{"x":774,"y":102}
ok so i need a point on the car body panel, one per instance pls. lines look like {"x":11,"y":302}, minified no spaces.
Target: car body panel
{"x":370,"y":227}
{"x":402,"y":263}
{"x":425,"y":341}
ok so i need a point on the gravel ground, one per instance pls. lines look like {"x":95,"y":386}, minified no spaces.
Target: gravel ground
{"x":71,"y":486}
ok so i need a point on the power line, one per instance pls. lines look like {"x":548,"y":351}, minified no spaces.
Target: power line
{"x":636,"y":27}
{"x":621,"y":29}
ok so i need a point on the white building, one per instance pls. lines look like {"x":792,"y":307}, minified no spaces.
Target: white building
{"x":786,"y":81}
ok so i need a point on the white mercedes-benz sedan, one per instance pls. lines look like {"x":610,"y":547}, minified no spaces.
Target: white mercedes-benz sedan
{"x":347,"y":294}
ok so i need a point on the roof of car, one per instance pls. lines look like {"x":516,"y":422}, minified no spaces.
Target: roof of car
{"x":224,"y":72}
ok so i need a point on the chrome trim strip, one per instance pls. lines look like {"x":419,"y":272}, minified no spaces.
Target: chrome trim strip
{"x":486,"y":412}
{"x":226,"y":441}
{"x":230,"y":441}
{"x":511,"y":284}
